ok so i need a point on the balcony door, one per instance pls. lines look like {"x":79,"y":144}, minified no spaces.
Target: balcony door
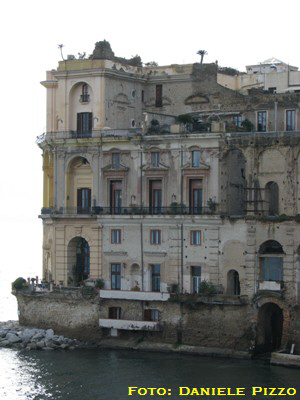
{"x":83,"y":200}
{"x":115,"y":197}
{"x":155,"y":196}
{"x":195,"y":192}
{"x":84,"y":124}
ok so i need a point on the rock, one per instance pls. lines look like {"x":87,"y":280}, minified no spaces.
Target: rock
{"x":49,"y":334}
{"x":64,"y":346}
{"x":4,"y":343}
{"x":3,"y":333}
{"x":13,"y":338}
{"x":37,"y":337}
{"x":40,"y":345}
{"x":31,"y":346}
{"x":47,"y":348}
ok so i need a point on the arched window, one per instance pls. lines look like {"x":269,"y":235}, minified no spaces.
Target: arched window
{"x":272,"y":198}
{"x":233,"y":283}
{"x":84,"y":97}
{"x":271,"y":256}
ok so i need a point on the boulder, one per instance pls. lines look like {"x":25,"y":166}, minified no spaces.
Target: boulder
{"x":13,"y":338}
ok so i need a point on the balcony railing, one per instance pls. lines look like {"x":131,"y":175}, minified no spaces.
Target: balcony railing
{"x":50,"y":136}
{"x":133,"y":210}
{"x":134,"y":295}
{"x":130,"y":325}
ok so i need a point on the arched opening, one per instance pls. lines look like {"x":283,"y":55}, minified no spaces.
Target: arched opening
{"x":269,"y":328}
{"x":271,"y":265}
{"x":135,"y":277}
{"x":78,"y":261}
{"x":233,"y":283}
{"x":272,"y":198}
{"x":79,"y":181}
{"x":81,"y":110}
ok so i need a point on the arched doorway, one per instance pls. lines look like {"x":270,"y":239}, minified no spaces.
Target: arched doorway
{"x":78,"y":261}
{"x":233,"y":283}
{"x":269,"y":328}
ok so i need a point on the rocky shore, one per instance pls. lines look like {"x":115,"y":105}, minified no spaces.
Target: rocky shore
{"x":12,"y":335}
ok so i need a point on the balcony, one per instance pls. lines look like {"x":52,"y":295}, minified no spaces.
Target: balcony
{"x":64,"y":135}
{"x":270,"y":285}
{"x":129,"y":325}
{"x":134,"y":210}
{"x":134,"y":295}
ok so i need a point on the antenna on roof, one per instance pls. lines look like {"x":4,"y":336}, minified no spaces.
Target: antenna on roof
{"x":60,"y":46}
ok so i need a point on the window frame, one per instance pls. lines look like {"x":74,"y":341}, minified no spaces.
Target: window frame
{"x":195,"y":238}
{"x":155,"y":236}
{"x":116,"y":160}
{"x":151,"y":314}
{"x":155,"y":277}
{"x":290,"y":125}
{"x":155,"y":159}
{"x":115,"y":236}
{"x":196,"y":272}
{"x":264,"y":122}
{"x":115,"y":276}
{"x":196,"y":158}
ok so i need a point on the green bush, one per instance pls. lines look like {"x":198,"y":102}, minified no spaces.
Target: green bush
{"x":207,"y":288}
{"x":99,"y":284}
{"x":18,"y":283}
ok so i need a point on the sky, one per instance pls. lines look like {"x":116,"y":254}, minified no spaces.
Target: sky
{"x":234,"y":32}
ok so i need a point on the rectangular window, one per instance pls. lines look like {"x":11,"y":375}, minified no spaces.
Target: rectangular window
{"x":155,"y":277}
{"x":237,"y":121}
{"x":195,"y":192}
{"x":116,"y":236}
{"x":83,"y":201}
{"x":155,"y":159}
{"x":155,"y":236}
{"x":290,"y":120}
{"x":142,"y":96}
{"x":114,"y":313}
{"x":84,"y":124}
{"x":196,"y":279}
{"x":196,"y":158}
{"x":196,"y":238}
{"x":116,"y":276}
{"x":272,"y":269}
{"x":262,"y":121}
{"x":155,"y":196}
{"x":158,"y":97}
{"x":151,"y":315}
{"x":115,"y":197}
{"x":115,"y":160}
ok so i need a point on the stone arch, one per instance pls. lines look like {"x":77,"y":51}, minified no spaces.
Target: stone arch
{"x":272,"y":333}
{"x":271,"y":161}
{"x":78,"y":260}
{"x":76,"y":105}
{"x":136,"y":278}
{"x":233,"y":260}
{"x":79,"y":183}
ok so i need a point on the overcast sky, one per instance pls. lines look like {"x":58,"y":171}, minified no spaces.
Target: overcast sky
{"x":234,"y":32}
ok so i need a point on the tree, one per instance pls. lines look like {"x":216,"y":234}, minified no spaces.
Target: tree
{"x":202,"y":53}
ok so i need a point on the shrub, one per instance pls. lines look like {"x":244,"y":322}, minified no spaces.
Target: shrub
{"x":18,"y":283}
{"x":99,"y":284}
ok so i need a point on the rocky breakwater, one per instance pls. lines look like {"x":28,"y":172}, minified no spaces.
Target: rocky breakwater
{"x":12,"y":335}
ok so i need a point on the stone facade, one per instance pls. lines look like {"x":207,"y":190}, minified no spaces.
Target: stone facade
{"x":159,"y":180}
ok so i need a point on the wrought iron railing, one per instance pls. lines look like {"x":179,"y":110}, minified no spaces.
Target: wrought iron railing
{"x":133,"y":210}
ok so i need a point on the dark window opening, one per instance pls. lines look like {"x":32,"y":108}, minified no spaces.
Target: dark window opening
{"x":195,"y":194}
{"x":155,"y":159}
{"x":82,"y":269}
{"x":261,"y":121}
{"x":116,"y":160}
{"x":84,"y":124}
{"x":272,"y":198}
{"x":84,"y":97}
{"x":115,"y":197}
{"x":84,"y":200}
{"x":116,"y":276}
{"x":290,"y":120}
{"x":196,"y":158}
{"x":155,"y":196}
{"x":196,"y":238}
{"x":196,"y":279}
{"x":158,"y":98}
{"x":155,"y":278}
{"x":151,"y":315}
{"x":114,"y":313}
